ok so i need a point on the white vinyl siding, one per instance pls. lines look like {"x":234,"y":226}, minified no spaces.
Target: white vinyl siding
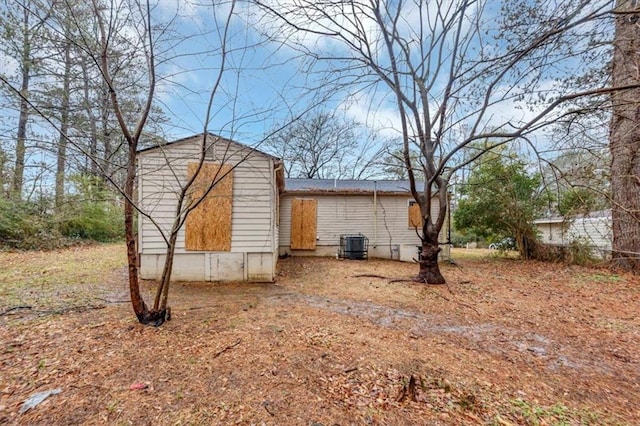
{"x":350,"y":214}
{"x":253,"y":205}
{"x":551,"y":232}
{"x":162,"y":172}
{"x":594,"y":231}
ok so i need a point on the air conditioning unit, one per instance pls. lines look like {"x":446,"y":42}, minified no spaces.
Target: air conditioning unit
{"x":354,"y":246}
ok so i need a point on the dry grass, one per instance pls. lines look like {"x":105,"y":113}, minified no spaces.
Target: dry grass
{"x":49,"y":280}
{"x":477,"y":254}
{"x":505,"y":342}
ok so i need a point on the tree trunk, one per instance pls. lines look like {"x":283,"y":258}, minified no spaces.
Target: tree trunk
{"x":3,"y":161}
{"x":162,"y":293}
{"x":105,"y":134}
{"x":64,"y":126}
{"x":625,"y":141}
{"x":429,"y":268}
{"x":18,"y":170}
{"x":139,"y":307}
{"x":144,"y":315}
{"x":88,"y":104}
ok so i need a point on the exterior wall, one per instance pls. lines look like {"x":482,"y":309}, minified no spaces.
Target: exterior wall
{"x":386,"y":227}
{"x":593,"y":230}
{"x":552,"y":232}
{"x":253,"y":252}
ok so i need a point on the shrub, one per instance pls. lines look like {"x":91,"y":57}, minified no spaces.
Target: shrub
{"x":576,"y":253}
{"x":581,"y":253}
{"x":92,"y":213}
{"x":92,"y":220}
{"x":25,"y":225}
{"x":459,"y":239}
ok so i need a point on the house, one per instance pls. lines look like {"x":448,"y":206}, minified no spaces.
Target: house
{"x":315,"y":213}
{"x":593,"y":229}
{"x":233,"y":233}
{"x":252,"y":215}
{"x":552,"y":229}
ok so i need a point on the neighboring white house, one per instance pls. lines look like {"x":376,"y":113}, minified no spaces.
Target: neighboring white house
{"x":233,"y":234}
{"x":323,"y":210}
{"x":593,"y":228}
{"x":552,"y":229}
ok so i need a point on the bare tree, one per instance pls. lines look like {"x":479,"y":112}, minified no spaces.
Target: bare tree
{"x":324,"y":145}
{"x":393,"y":164}
{"x":65,"y":112}
{"x":22,"y":41}
{"x":144,"y":43}
{"x":129,"y":25}
{"x":454,"y":72}
{"x":186,"y":202}
{"x":625,"y":138}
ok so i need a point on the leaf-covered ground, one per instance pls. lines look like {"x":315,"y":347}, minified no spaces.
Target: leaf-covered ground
{"x":331,"y":343}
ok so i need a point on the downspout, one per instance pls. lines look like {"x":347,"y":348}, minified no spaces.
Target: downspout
{"x":276,"y":221}
{"x":276,"y":169}
{"x":375,"y":214}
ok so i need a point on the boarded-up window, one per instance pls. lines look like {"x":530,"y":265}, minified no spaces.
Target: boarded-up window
{"x":303,"y":224}
{"x":208,"y":226}
{"x":415,"y":217}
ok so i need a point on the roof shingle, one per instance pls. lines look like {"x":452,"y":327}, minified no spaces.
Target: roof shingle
{"x":349,"y":186}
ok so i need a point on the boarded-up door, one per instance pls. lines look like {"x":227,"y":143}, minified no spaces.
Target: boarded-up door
{"x":208,"y":226}
{"x":303,"y":224}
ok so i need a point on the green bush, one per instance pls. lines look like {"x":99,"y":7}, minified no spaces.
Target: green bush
{"x":581,"y":253}
{"x":92,"y":220}
{"x":91,"y":213}
{"x":459,"y":239}
{"x":25,"y":225}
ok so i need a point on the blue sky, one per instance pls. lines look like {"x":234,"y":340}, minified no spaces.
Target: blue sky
{"x":260,"y":88}
{"x":266,"y":83}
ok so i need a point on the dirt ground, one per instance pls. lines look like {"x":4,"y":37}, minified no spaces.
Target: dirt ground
{"x":506,"y":342}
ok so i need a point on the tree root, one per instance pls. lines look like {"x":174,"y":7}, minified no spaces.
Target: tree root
{"x":382,"y":277}
{"x":226,"y":348}
{"x":13,"y":308}
{"x":418,"y":280}
{"x":52,"y":311}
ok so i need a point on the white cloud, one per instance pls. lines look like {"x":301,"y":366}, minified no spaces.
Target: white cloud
{"x":375,"y":113}
{"x":8,"y":65}
{"x":185,"y":9}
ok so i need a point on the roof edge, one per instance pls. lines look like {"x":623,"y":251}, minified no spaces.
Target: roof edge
{"x":342,"y":192}
{"x":210,"y":135}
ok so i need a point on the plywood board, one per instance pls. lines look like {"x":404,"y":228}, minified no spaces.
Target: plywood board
{"x":415,"y":217}
{"x":208,"y":226}
{"x":303,"y":224}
